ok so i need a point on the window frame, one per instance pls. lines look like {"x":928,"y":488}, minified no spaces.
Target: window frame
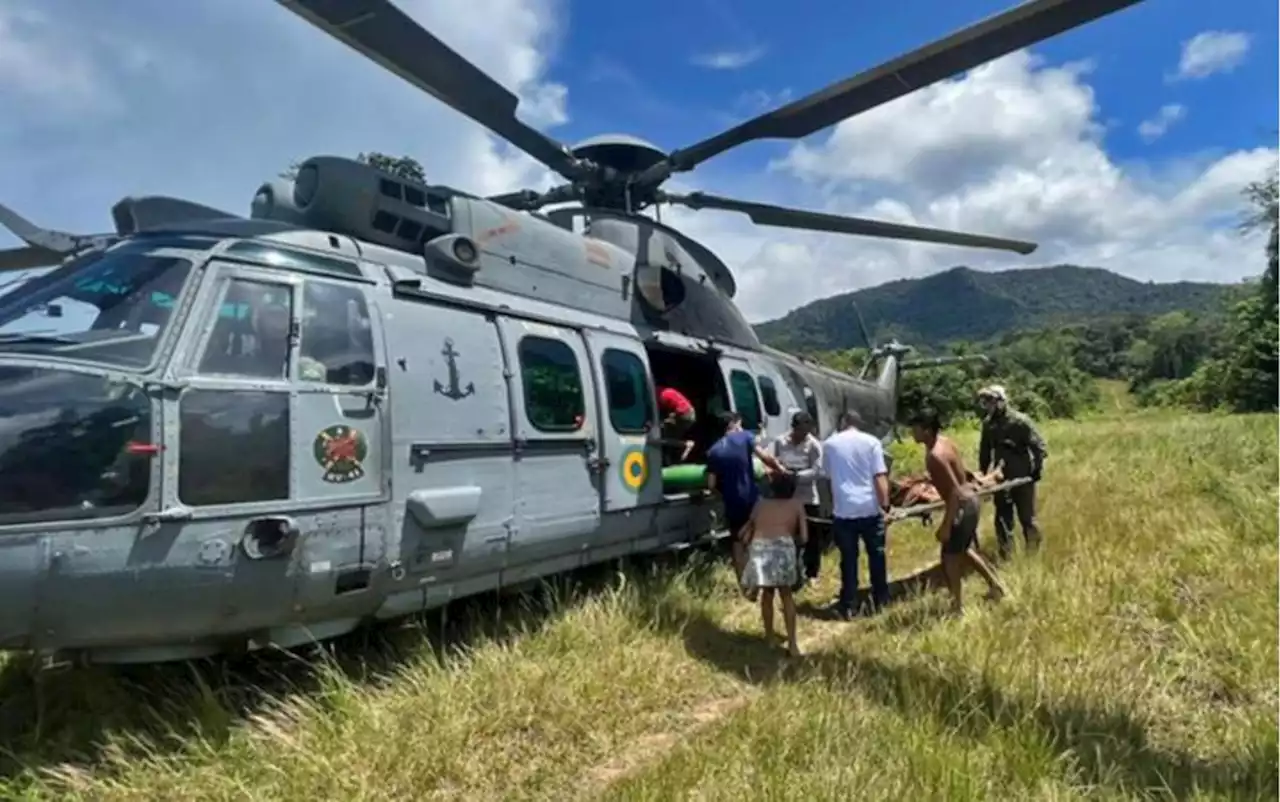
{"x":64,"y":518}
{"x":646,"y":391}
{"x":525,"y":385}
{"x":769,"y":392}
{"x":224,"y":391}
{"x":755,"y":399}
{"x":358,"y":291}
{"x":208,"y":313}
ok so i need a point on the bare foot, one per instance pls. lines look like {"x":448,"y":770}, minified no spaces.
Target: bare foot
{"x":793,"y":650}
{"x":996,"y":594}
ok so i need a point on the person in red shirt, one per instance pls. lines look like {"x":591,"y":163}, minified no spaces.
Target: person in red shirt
{"x":678,"y":417}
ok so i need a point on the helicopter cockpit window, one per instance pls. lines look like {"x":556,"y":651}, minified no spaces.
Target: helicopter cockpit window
{"x":627,"y":387}
{"x":770,"y":395}
{"x":251,"y":333}
{"x":110,"y":307}
{"x":336,"y":335}
{"x":553,"y":398}
{"x":745,"y":399}
{"x":71,"y":446}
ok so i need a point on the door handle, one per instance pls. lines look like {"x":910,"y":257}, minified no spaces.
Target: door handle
{"x":168,"y":515}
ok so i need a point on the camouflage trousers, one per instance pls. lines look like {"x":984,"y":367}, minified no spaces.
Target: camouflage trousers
{"x":1019,"y":502}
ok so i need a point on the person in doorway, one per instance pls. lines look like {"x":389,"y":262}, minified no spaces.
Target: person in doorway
{"x":854,"y":462}
{"x":678,"y":417}
{"x":958,"y":529}
{"x":777,"y":525}
{"x":801,"y":453}
{"x":731,"y":472}
{"x":1010,"y":439}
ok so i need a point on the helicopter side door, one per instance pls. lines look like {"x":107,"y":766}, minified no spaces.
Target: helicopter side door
{"x":233,"y":432}
{"x":630,"y":456}
{"x":339,"y":382}
{"x":556,"y":485}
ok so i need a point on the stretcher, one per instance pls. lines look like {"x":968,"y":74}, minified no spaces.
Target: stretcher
{"x":926,"y":510}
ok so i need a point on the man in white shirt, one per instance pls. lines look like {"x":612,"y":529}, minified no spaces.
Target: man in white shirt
{"x":801,"y":453}
{"x":854,"y":462}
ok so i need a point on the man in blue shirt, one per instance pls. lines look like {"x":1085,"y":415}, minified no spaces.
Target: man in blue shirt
{"x":731,"y":471}
{"x":854,"y":462}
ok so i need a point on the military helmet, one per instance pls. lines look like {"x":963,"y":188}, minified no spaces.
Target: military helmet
{"x":993,"y":391}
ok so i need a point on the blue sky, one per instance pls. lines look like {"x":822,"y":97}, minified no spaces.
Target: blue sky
{"x":1122,"y":144}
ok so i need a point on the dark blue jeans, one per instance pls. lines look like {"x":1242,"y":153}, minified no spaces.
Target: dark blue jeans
{"x":870,"y":531}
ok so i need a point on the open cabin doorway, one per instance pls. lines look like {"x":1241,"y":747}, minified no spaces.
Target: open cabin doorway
{"x":697,"y":377}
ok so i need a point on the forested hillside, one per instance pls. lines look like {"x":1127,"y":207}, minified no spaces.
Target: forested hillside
{"x":1199,"y":346}
{"x":964,"y":304}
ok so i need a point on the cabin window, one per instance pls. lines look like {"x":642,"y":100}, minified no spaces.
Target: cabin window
{"x":770,"y":395}
{"x":233,"y":447}
{"x":745,"y":399}
{"x":811,"y":405}
{"x":250,"y":335}
{"x":337,"y":335}
{"x":553,"y":398}
{"x":627,"y":386}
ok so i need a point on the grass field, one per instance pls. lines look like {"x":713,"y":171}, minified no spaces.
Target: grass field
{"x":1138,"y":658}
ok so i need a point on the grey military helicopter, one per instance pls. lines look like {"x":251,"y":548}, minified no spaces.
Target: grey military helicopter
{"x":373,"y":395}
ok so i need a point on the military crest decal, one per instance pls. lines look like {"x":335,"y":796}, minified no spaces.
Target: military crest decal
{"x":341,"y":451}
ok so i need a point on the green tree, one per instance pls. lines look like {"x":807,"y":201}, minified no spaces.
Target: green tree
{"x":402,"y":166}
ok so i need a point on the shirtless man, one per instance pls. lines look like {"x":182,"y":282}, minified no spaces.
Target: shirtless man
{"x":778,"y":525}
{"x":959,"y":526}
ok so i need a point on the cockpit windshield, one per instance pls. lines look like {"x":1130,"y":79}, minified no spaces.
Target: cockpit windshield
{"x":110,"y":307}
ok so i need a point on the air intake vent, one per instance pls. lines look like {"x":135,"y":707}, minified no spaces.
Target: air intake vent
{"x":348,"y":197}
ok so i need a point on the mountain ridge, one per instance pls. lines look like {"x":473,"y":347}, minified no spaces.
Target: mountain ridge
{"x":965,"y":304}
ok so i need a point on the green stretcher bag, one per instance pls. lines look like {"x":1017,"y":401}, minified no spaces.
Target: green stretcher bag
{"x":693,"y":476}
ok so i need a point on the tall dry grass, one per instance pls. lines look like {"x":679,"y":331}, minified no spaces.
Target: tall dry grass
{"x":1137,"y":659}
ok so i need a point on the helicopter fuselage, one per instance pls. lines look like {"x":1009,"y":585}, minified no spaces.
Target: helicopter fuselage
{"x":247,"y":433}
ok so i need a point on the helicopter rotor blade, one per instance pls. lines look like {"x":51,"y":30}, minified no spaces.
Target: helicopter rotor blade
{"x":28,"y":258}
{"x":977,"y":44}
{"x":384,"y":34}
{"x":782,"y":217}
{"x":45,"y":246}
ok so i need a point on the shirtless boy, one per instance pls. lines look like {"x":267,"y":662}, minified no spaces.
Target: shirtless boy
{"x":959,"y":526}
{"x":777,"y":525}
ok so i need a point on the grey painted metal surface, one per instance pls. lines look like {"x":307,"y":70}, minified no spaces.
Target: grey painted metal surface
{"x":375,"y":395}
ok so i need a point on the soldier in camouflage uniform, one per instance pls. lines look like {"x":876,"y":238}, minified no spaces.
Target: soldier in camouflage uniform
{"x":1009,"y":437}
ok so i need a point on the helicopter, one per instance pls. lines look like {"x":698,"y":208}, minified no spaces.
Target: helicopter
{"x":373,"y":396}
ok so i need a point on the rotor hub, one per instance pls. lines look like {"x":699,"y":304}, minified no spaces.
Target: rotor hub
{"x":627,"y":154}
{"x":619,"y":159}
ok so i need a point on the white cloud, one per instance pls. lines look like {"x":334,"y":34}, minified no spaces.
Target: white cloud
{"x":729,"y":59}
{"x":248,"y":87}
{"x":1014,"y":148}
{"x":34,"y":64}
{"x":1211,"y":52}
{"x":1156,"y":127}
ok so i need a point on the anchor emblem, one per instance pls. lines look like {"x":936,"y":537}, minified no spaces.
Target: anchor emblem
{"x":454,"y":391}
